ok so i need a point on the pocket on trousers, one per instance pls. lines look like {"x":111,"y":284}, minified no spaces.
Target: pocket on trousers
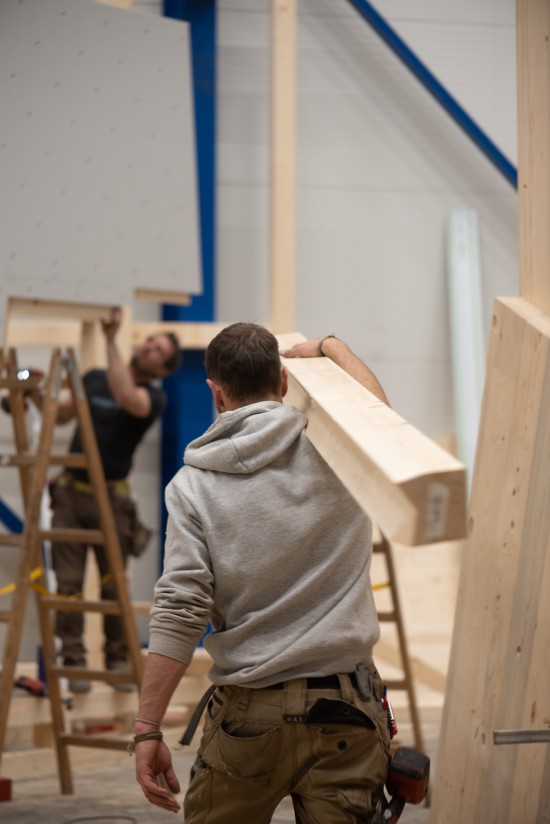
{"x":348,"y":756}
{"x":250,"y":758}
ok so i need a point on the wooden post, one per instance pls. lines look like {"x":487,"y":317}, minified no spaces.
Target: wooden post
{"x":283,"y":116}
{"x":499,"y":676}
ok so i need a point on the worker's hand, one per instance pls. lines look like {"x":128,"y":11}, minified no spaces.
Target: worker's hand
{"x":111,"y":326}
{"x":156,"y":776}
{"x":306,"y":349}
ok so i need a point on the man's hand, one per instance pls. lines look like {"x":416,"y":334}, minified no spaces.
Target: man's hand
{"x":306,"y":349}
{"x":156,"y":776}
{"x":111,"y":326}
{"x":339,"y":352}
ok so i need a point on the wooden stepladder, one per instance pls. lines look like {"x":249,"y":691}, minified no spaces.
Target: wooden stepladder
{"x":395,"y":616}
{"x":33,"y":469}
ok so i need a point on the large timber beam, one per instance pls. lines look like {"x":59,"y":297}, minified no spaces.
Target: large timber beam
{"x":413,"y":489}
{"x":499,"y":675}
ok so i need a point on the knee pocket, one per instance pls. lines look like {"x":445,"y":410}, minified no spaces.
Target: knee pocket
{"x":244,"y":753}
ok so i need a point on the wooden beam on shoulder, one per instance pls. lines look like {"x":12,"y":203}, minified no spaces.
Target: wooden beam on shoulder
{"x":413,"y":489}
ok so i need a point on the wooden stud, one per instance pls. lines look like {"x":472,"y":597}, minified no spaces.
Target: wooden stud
{"x":283,"y":119}
{"x":533,"y":70}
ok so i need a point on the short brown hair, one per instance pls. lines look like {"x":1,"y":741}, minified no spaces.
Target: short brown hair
{"x":173,"y":361}
{"x":244,"y":359}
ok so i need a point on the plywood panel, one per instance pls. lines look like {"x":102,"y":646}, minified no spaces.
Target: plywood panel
{"x":97,"y":154}
{"x":499,"y":676}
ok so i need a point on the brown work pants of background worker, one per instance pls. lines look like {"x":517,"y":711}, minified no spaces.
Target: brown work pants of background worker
{"x":75,"y":509}
{"x":254,"y":752}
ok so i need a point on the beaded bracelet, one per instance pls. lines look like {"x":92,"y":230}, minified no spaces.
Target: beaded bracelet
{"x":145,"y":736}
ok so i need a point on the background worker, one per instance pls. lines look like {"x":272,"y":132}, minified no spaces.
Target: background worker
{"x":265,"y":542}
{"x":124,"y":401}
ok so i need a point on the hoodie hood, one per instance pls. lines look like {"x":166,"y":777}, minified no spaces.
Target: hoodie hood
{"x":246,"y":439}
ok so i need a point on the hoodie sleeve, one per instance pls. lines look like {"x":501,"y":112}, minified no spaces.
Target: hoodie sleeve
{"x":184,"y":592}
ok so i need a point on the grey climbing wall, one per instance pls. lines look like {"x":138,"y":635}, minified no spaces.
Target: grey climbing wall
{"x":97,"y":157}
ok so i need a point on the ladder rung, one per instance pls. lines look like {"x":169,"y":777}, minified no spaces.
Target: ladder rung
{"x":92,"y":741}
{"x":79,"y":605}
{"x":28,"y":459}
{"x":5,"y":616}
{"x":23,"y":385}
{"x":387,"y":616}
{"x":25,"y":459}
{"x":80,"y":536}
{"x":126,"y":677}
{"x":72,"y":459}
{"x":397,"y":684}
{"x":11,"y":539}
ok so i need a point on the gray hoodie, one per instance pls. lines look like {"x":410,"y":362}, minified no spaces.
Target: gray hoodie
{"x":266,"y":543}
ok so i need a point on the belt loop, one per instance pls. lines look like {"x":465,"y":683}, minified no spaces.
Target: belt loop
{"x":243,"y":700}
{"x":346,"y":687}
{"x":294,"y":699}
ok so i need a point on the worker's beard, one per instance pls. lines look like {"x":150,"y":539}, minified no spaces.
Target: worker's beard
{"x":141,"y":371}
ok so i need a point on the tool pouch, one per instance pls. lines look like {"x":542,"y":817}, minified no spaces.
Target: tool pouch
{"x":330,"y":711}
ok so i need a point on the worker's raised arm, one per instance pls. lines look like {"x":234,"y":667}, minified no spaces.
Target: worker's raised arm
{"x":339,"y":352}
{"x":132,"y":397}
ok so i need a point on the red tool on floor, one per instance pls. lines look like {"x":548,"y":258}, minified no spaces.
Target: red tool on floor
{"x":32,"y":685}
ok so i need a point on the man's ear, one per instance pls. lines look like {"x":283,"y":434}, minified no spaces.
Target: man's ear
{"x":217,"y":394}
{"x":284,"y":381}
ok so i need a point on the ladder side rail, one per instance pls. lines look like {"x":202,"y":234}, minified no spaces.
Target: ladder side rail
{"x":30,"y":548}
{"x":397,"y":617}
{"x":106,"y":519}
{"x":47,"y":631}
{"x":20,"y":434}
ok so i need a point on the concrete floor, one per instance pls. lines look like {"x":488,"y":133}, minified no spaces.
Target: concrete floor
{"x":105,"y":791}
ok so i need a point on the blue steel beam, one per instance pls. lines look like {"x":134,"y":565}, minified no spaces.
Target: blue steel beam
{"x":189,"y":410}
{"x":434,"y":87}
{"x":10,"y":520}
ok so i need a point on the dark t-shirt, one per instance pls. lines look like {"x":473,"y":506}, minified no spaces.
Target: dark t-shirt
{"x":117,"y":432}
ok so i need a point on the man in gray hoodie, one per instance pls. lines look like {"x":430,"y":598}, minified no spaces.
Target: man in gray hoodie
{"x":265,"y":543}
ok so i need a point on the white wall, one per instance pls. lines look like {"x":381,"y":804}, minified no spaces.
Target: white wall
{"x":379,"y":164}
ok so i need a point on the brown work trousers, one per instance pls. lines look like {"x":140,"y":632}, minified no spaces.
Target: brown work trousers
{"x":74,"y":509}
{"x":256,"y":749}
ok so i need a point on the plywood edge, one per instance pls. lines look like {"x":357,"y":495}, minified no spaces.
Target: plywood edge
{"x":163,"y":296}
{"x":36,"y":307}
{"x":24,"y":333}
{"x":190,"y":335}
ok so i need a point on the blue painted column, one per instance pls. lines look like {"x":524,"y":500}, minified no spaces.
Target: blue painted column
{"x":189,"y":409}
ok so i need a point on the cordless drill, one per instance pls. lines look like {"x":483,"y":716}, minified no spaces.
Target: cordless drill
{"x":406,"y":783}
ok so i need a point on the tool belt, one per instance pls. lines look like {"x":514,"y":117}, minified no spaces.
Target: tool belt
{"x":324,"y":711}
{"x":119,"y":487}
